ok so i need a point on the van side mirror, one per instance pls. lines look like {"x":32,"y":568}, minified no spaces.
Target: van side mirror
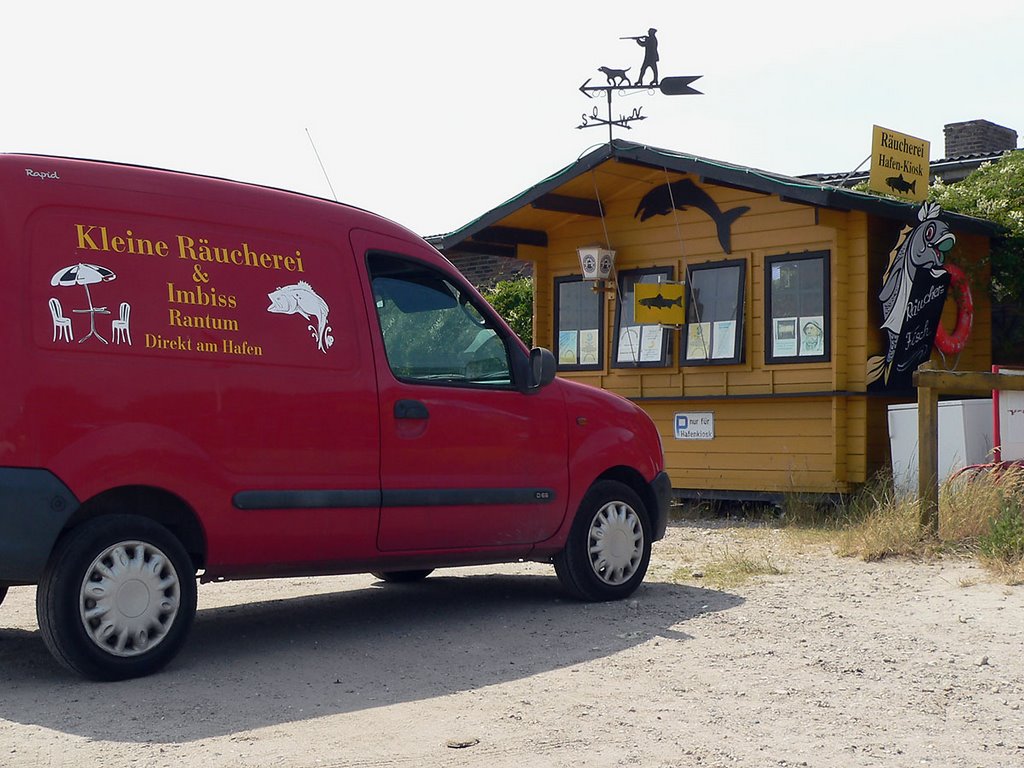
{"x":542,"y":369}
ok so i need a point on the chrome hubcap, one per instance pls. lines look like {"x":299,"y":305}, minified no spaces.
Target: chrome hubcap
{"x":129,"y":599}
{"x":616,"y":543}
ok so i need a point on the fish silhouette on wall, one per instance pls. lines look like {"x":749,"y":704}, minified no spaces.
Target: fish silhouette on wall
{"x":301,"y":299}
{"x":684,"y":193}
{"x":914,"y":289}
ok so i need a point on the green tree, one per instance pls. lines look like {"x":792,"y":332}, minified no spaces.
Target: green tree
{"x":513,"y":299}
{"x":995,"y":192}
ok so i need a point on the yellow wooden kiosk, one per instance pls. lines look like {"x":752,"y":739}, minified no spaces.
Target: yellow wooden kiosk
{"x":778,"y":381}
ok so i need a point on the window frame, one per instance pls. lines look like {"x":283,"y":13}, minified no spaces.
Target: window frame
{"x":770,"y":358}
{"x":665,"y":361}
{"x":601,"y":330}
{"x":485,"y":311}
{"x":739,"y":348}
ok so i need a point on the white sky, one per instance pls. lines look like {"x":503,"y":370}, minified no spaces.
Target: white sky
{"x":432,"y":113}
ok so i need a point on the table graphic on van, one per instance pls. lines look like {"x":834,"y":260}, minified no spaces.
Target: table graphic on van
{"x":301,"y":299}
{"x":86,"y":275}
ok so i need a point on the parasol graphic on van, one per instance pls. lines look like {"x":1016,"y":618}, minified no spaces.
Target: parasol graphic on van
{"x":85,"y":275}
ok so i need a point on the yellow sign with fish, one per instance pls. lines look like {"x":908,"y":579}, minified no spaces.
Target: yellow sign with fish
{"x":899,"y":164}
{"x":659,"y":303}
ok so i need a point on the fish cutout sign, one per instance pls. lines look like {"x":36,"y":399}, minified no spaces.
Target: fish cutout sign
{"x":658,"y":303}
{"x":914,"y":289}
{"x":683,"y":194}
{"x":301,"y":299}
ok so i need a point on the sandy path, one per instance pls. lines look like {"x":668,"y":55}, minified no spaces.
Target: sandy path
{"x":833,"y":662}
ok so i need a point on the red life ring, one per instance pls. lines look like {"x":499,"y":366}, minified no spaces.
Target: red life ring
{"x":954,"y":343}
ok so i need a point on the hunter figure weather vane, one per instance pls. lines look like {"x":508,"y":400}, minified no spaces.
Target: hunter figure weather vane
{"x":619,"y":80}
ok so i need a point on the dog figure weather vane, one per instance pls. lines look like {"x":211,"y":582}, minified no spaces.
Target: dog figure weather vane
{"x":619,"y":80}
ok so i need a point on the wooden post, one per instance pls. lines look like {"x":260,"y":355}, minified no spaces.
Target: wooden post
{"x":930,"y":383}
{"x":928,"y":458}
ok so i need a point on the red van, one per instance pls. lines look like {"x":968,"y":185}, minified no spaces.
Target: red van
{"x":213,"y":378}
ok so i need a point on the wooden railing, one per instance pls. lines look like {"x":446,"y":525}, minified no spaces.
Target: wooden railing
{"x":930,"y":384}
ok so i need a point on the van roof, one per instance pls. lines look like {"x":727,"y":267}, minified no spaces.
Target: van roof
{"x":18,"y":157}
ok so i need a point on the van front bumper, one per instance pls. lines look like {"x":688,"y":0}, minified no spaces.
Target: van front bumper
{"x":661,"y":490}
{"x":34,"y":507}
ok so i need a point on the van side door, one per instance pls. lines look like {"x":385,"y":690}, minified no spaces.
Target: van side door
{"x":467,"y":459}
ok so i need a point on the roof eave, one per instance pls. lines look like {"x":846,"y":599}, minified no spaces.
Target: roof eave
{"x":792,"y":189}
{"x":527,"y":196}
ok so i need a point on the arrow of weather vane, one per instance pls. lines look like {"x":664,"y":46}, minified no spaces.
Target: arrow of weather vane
{"x":619,"y":80}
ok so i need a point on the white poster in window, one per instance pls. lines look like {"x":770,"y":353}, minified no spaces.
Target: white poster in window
{"x":812,"y":336}
{"x":650,"y":344}
{"x":589,"y":347}
{"x":629,"y":344}
{"x":784,"y":336}
{"x":723,"y":343}
{"x":698,"y":341}
{"x":567,"y":348}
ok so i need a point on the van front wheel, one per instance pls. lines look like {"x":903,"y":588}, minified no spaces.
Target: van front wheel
{"x":609,"y":546}
{"x":117,"y":598}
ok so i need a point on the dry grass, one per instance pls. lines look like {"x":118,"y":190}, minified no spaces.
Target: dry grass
{"x":730,"y":568}
{"x":981,"y":515}
{"x":879,"y":522}
{"x":1011,"y":573}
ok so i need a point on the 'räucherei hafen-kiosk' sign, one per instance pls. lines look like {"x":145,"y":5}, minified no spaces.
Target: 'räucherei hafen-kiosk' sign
{"x":899,"y":164}
{"x":914,"y":289}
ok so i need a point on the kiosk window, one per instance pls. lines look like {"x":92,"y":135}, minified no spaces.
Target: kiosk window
{"x":579,"y":316}
{"x":636,"y":344}
{"x":797,"y":308}
{"x":714,"y":313}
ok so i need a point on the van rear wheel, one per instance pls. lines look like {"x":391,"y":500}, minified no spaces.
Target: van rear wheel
{"x":117,"y":598}
{"x":609,"y":546}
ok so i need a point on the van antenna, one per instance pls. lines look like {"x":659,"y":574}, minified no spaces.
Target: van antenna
{"x":322,"y":165}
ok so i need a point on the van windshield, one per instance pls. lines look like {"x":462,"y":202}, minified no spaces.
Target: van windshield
{"x":433,"y":331}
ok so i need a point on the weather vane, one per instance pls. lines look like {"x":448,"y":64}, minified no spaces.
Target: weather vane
{"x":619,"y":80}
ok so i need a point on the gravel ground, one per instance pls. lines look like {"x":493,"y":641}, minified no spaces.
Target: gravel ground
{"x":829,"y":662}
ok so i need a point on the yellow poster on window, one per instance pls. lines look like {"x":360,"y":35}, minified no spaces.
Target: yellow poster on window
{"x":659,"y":303}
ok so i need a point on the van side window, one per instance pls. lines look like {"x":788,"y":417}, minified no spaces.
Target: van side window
{"x":433,"y":331}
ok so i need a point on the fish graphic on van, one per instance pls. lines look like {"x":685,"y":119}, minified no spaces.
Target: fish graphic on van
{"x":301,"y":299}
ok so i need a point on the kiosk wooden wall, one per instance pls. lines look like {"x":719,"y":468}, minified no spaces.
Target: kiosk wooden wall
{"x":795,"y":427}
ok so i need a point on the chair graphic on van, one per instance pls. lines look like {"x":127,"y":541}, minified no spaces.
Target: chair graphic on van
{"x":61,"y":324}
{"x":120,"y":327}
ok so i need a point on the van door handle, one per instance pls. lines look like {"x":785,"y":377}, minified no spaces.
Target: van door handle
{"x":411,"y":409}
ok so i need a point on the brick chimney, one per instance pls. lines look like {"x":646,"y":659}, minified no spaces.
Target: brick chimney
{"x":978,"y":137}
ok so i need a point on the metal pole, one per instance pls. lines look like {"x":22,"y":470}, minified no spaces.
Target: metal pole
{"x":609,"y":117}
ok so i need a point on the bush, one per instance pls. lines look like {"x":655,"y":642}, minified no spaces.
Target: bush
{"x":1005,"y":540}
{"x":513,"y":299}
